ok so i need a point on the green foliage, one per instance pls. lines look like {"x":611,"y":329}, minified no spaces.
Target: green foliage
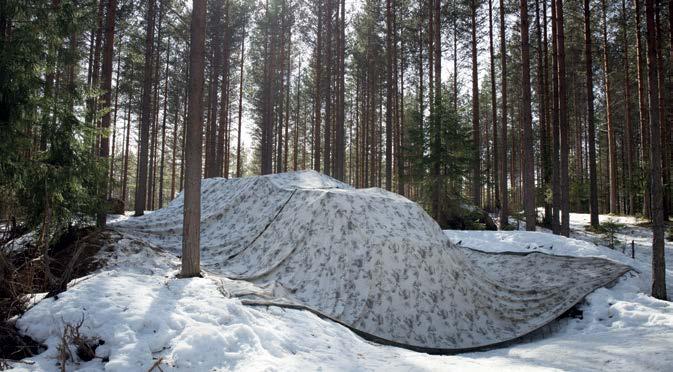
{"x":439,"y":144}
{"x":518,"y":216}
{"x":609,"y":230}
{"x":47,"y":171}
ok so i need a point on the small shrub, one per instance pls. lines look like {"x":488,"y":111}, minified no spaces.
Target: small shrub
{"x":519,"y":217}
{"x":609,"y":229}
{"x":508,"y":227}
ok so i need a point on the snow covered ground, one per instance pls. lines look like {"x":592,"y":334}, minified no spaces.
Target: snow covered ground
{"x":145,"y":316}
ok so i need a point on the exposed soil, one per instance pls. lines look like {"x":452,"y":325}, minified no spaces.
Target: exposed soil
{"x":22,"y":272}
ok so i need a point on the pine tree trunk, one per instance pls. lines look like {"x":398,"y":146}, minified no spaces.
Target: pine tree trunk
{"x":389,"y":94}
{"x":528,"y":160}
{"x":106,"y":87}
{"x":163,"y":130}
{"x":318,"y":91}
{"x":267,"y":161}
{"x":216,"y":70}
{"x":154,"y":141}
{"x":543,"y":109}
{"x":240,"y":111}
{"x":563,"y":121}
{"x":208,"y":117}
{"x":643,"y":113}
{"x":556,"y":168}
{"x":612,"y":141}
{"x":185,"y":109}
{"x":630,"y":190}
{"x":287,"y":101}
{"x":593,"y":184}
{"x":295,"y":145}
{"x":340,"y":150}
{"x":400,"y":151}
{"x":227,"y":131}
{"x":669,"y":120}
{"x":266,"y":144}
{"x":665,"y":130}
{"x":658,"y":257}
{"x":494,"y":107}
{"x":476,"y":165}
{"x":436,"y":98}
{"x":174,"y":144}
{"x":327,"y":90}
{"x":223,"y":130}
{"x":141,"y":182}
{"x":504,"y":210}
{"x":221,"y":154}
{"x":455,"y":63}
{"x":127,"y":143}
{"x":95,"y":68}
{"x":89,"y":72}
{"x":191,"y":238}
{"x":432,"y":122}
{"x":281,"y":94}
{"x":114,"y":132}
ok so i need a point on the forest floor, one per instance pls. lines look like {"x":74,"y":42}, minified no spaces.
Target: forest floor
{"x":136,"y":316}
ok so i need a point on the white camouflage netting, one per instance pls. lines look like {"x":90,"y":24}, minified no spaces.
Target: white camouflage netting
{"x":371,"y":260}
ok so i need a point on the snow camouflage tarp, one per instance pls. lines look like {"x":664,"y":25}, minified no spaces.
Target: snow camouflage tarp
{"x":371,"y":260}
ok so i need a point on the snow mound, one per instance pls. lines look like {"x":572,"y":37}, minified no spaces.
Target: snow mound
{"x":373,"y":261}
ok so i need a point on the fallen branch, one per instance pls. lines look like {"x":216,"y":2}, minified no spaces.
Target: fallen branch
{"x":156,"y":365}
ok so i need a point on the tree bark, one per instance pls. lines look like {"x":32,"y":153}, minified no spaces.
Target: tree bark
{"x":563,"y":121}
{"x":663,"y":122}
{"x":327,"y":89}
{"x":295,"y":146}
{"x":114,"y":131}
{"x":126,"y":150}
{"x":389,"y":94}
{"x":174,"y":144}
{"x":591,"y":127}
{"x":267,"y":117}
{"x":106,"y":87}
{"x":288,"y":93}
{"x":399,"y":106}
{"x":240,"y":111}
{"x":318,"y":91}
{"x":504,"y":210}
{"x":612,"y":141}
{"x":281,"y":94}
{"x":141,"y":183}
{"x":528,"y":160}
{"x":221,"y":154}
{"x":628,"y":143}
{"x":494,"y":107}
{"x":643,"y":113}
{"x":543,"y":110}
{"x":216,"y":71}
{"x":556,"y":147}
{"x":658,"y":257}
{"x":163,"y":131}
{"x":340,"y":144}
{"x":95,"y":69}
{"x":476,"y":142}
{"x":191,"y":239}
{"x":154,"y":141}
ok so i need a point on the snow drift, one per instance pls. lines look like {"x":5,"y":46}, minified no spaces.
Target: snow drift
{"x":371,"y":260}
